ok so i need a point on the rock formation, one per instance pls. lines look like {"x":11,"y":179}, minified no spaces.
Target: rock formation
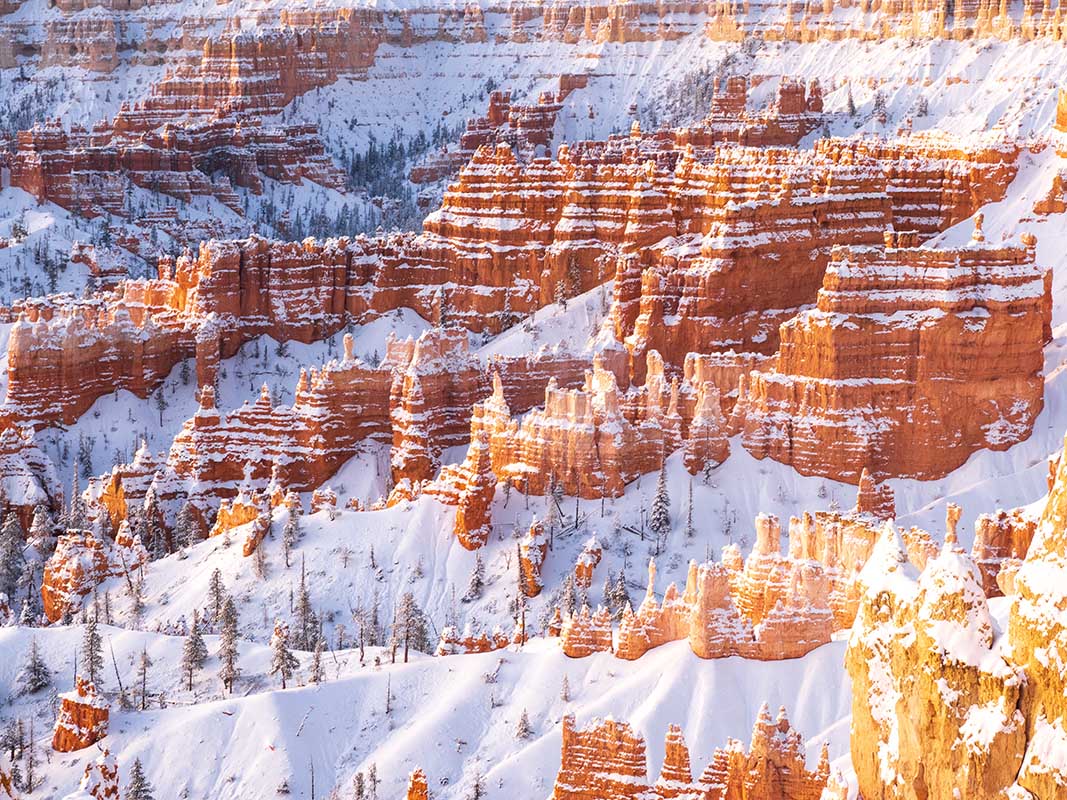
{"x":80,"y":562}
{"x":927,"y":330}
{"x":944,"y":701}
{"x":607,"y":760}
{"x":100,"y":781}
{"x":585,"y":632}
{"x":417,"y":786}
{"x":82,"y":720}
{"x":595,"y":440}
{"x":533,"y":549}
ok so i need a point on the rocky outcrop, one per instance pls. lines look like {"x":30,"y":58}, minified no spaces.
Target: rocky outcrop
{"x":470,"y":488}
{"x":533,"y":549}
{"x":945,"y":701}
{"x":100,"y":781}
{"x":607,"y":760}
{"x":82,"y":720}
{"x":595,"y":440}
{"x":901,"y":339}
{"x":469,"y":640}
{"x":80,"y":562}
{"x":417,"y":786}
{"x":27,"y":475}
{"x":586,"y":632}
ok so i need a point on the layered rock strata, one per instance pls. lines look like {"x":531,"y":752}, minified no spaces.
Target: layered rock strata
{"x":82,"y":720}
{"x":607,"y":759}
{"x":903,"y":338}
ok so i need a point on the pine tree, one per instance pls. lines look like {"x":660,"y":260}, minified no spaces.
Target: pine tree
{"x":850,"y":103}
{"x":228,"y":649}
{"x":76,"y":514}
{"x":620,"y":594}
{"x":216,"y":595}
{"x":359,"y":787}
{"x":523,"y":729}
{"x":306,"y":627}
{"x":138,"y":788}
{"x":316,"y":663}
{"x":142,"y":674}
{"x":41,"y":534}
{"x":565,"y":690}
{"x":185,"y":526}
{"x":194,"y":652}
{"x":477,"y":581}
{"x":11,"y":557}
{"x":290,"y":536}
{"x":35,"y":674}
{"x":660,"y":516}
{"x":92,"y":652}
{"x":477,"y":789}
{"x":409,"y":625}
{"x":690,"y":531}
{"x":568,"y":599}
{"x":282,"y":662}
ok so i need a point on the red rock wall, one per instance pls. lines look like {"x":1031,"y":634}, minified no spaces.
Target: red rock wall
{"x":901,"y":341}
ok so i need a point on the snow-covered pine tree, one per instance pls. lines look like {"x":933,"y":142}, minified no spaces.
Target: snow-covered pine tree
{"x":568,"y":598}
{"x":660,"y":516}
{"x":92,"y":652}
{"x":477,"y":581}
{"x":138,"y":788}
{"x":290,"y":536}
{"x":690,"y":531}
{"x":565,"y":690}
{"x":143,"y":664}
{"x":11,"y":555}
{"x":523,"y":729}
{"x":216,"y":595}
{"x":185,"y":526}
{"x":41,"y":534}
{"x":317,"y":669}
{"x":194,"y":652}
{"x":306,"y":624}
{"x":228,"y":648}
{"x":409,"y":625}
{"x":34,"y":674}
{"x":76,"y":513}
{"x":282,"y":661}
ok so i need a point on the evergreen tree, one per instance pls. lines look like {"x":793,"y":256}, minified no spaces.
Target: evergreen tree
{"x":620,"y":594}
{"x":41,"y":534}
{"x":142,"y":673}
{"x":565,"y":690}
{"x":34,"y":674}
{"x":409,"y":625}
{"x":477,"y":789}
{"x":11,"y":557}
{"x":282,"y":662}
{"x":477,"y":581}
{"x":216,"y":595}
{"x":523,"y":729}
{"x":185,"y":526}
{"x":76,"y":517}
{"x":316,"y":663}
{"x":194,"y":652}
{"x":138,"y":788}
{"x":568,"y":600}
{"x":290,"y":536}
{"x":690,"y":531}
{"x":850,"y":105}
{"x":92,"y":652}
{"x":660,"y":516}
{"x":228,"y":651}
{"x":306,"y":624}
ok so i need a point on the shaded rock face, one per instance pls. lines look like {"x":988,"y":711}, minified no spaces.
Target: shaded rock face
{"x":913,"y":359}
{"x":943,"y":701}
{"x":606,"y":759}
{"x":82,"y":720}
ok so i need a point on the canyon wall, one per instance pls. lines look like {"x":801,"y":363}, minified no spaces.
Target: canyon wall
{"x":902,"y":328}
